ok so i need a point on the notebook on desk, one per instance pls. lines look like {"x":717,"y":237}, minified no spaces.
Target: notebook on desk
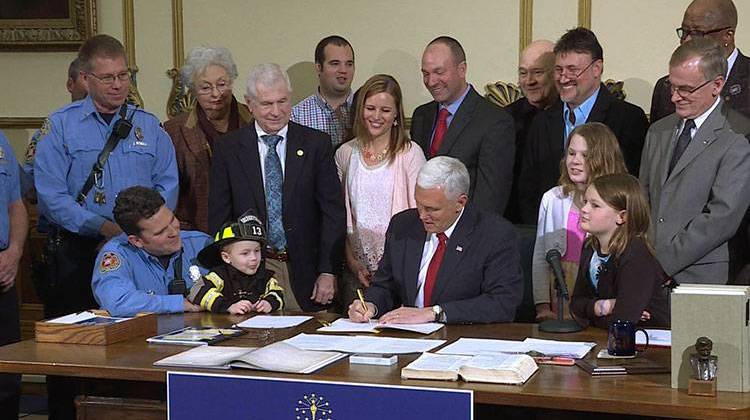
{"x":637,"y":365}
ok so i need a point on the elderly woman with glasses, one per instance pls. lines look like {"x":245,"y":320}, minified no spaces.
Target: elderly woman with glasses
{"x":209,"y":73}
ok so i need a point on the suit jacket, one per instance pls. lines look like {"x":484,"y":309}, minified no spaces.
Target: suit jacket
{"x":698,"y":207}
{"x":193,"y":161}
{"x":736,"y":91}
{"x":635,"y":279}
{"x":544,"y":145}
{"x":313,"y":208}
{"x":481,"y":135}
{"x":479,"y":280}
{"x":523,"y":114}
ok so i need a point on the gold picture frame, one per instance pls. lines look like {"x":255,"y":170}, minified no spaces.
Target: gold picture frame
{"x":46,"y":25}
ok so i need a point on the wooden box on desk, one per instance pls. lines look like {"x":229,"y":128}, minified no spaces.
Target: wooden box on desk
{"x":102,"y":334}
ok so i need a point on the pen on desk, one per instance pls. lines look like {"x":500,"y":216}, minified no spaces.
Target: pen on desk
{"x":362,"y":300}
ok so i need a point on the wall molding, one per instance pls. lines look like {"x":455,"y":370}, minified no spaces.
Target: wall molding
{"x":525,"y":32}
{"x":178,"y":44}
{"x":21,"y":122}
{"x":584,"y":13}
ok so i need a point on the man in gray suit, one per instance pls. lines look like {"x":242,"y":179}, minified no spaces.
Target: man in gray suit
{"x":462,"y":124}
{"x":695,"y":168}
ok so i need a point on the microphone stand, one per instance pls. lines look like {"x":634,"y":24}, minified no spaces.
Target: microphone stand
{"x":560,"y":325}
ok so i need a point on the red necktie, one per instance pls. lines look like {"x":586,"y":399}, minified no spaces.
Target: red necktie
{"x":440,"y":129}
{"x":433,"y":268}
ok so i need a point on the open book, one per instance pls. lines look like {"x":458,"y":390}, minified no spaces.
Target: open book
{"x":513,"y":369}
{"x":276,"y":357}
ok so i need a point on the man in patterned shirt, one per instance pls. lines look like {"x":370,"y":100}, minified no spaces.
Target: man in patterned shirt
{"x":330,"y":108}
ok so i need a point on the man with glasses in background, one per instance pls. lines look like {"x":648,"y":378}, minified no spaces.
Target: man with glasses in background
{"x":76,"y":199}
{"x":717,"y":20}
{"x":696,"y":168}
{"x":579,"y":63}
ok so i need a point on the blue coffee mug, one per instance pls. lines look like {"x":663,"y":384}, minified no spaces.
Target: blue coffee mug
{"x":621,"y":340}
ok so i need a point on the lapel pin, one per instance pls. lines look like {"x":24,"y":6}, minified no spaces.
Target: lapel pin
{"x":300,"y":152}
{"x":735,"y":89}
{"x":139,"y":134}
{"x":459,"y":248}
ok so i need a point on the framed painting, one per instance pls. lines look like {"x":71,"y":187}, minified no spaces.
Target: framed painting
{"x":46,"y":25}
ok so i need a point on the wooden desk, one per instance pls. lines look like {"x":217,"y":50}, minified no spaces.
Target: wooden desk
{"x":553,"y":387}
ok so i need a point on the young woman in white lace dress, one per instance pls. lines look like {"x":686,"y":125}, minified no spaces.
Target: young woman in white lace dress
{"x":378,"y":171}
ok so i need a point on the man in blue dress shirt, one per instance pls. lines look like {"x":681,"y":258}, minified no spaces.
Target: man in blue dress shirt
{"x":13,"y":229}
{"x":152,"y":265}
{"x":72,"y":139}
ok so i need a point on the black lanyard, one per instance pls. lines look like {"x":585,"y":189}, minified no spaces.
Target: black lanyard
{"x":177,"y":285}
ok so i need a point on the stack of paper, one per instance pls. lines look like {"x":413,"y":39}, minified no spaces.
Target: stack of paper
{"x":273,"y":321}
{"x":362,"y":344}
{"x":345,"y":325}
{"x":476,"y":346}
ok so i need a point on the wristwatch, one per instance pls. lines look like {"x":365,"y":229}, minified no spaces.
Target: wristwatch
{"x":439,"y":313}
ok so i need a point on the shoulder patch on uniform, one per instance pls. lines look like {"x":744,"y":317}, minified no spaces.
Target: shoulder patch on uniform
{"x":110,"y":262}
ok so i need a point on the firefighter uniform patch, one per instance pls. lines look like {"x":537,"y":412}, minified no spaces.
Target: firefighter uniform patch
{"x":110,"y":262}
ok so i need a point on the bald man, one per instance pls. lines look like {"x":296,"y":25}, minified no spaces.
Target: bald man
{"x":715,"y":19}
{"x":538,"y":86}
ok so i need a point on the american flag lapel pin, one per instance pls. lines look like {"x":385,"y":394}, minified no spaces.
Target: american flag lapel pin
{"x":459,"y":248}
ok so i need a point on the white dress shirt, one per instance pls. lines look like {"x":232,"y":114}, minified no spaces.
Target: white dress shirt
{"x":263,"y":149}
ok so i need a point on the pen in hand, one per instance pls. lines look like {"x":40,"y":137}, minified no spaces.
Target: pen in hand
{"x":362,"y":301}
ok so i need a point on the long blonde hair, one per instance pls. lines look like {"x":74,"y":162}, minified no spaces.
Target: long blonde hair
{"x":603,"y":155}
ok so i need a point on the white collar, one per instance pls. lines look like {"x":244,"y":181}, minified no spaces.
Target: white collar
{"x":730,"y":61}
{"x":699,"y":120}
{"x":261,"y":132}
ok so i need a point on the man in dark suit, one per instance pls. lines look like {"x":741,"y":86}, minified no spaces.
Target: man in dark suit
{"x":462,"y":124}
{"x":696,"y":169}
{"x":445,"y":261}
{"x":579,"y":62}
{"x":535,"y":80}
{"x":715,"y":19}
{"x":285,"y":173}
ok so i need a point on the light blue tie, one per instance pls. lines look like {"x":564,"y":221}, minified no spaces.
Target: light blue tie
{"x":273,"y":186}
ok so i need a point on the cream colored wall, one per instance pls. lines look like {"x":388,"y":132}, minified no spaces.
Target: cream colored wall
{"x":388,"y":36}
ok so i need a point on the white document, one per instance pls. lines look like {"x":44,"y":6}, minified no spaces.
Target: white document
{"x":477,"y":346}
{"x":345,"y":325}
{"x":272,"y":321}
{"x":474,"y":346}
{"x":362,"y":344}
{"x":658,"y":338}
{"x":86,"y":316}
{"x":572,"y":349}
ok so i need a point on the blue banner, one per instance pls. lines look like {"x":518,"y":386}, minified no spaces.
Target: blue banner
{"x":211,"y":396}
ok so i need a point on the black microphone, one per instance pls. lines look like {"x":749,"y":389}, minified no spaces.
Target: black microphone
{"x":553,"y":259}
{"x":559,"y":325}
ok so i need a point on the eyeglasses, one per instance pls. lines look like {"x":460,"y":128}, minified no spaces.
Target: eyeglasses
{"x":685,"y":91}
{"x":683,"y":33}
{"x":572,"y":73}
{"x":207,"y":89}
{"x":108,"y":79}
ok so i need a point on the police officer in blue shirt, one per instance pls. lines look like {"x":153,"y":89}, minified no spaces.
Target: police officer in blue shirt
{"x":71,"y":142}
{"x":151,"y":267}
{"x":14,"y":226}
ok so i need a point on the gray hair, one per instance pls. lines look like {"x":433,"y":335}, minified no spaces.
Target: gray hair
{"x":267,"y":75}
{"x":447,"y":173}
{"x":712,"y":64}
{"x":199,"y":58}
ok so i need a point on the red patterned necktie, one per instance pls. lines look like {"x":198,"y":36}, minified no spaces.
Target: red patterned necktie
{"x":433,"y":268}
{"x":440,"y":129}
